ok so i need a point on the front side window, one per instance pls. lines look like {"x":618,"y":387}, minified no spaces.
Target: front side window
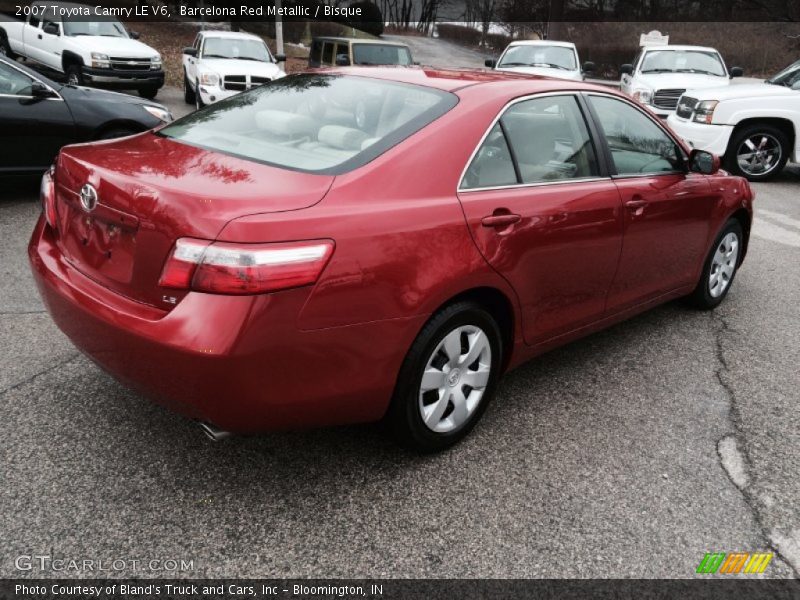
{"x":556,"y":57}
{"x":379,"y":54}
{"x":74,"y":28}
{"x":14,"y":83}
{"x":316,"y":52}
{"x":314,"y":122}
{"x":327,"y":53}
{"x":683,"y":61}
{"x":638,"y":146}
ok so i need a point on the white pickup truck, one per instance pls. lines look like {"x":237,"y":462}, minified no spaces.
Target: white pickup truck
{"x":101,"y":53}
{"x":660,"y":74}
{"x":754,"y":127}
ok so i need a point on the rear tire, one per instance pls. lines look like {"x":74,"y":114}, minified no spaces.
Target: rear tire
{"x":5,"y":49}
{"x":720,"y":267}
{"x":447,"y":378}
{"x":148,"y":93}
{"x":188,"y":92}
{"x":757,"y":152}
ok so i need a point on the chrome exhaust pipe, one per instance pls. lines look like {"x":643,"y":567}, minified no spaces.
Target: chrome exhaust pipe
{"x":214,"y":433}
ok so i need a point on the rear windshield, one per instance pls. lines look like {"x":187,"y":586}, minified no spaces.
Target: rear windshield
{"x":318,"y":123}
{"x":377,"y":54}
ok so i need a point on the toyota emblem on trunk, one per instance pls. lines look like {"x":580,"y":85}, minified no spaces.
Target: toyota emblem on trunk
{"x":88,"y":197}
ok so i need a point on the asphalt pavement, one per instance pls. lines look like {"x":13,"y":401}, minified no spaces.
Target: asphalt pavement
{"x":630,"y":453}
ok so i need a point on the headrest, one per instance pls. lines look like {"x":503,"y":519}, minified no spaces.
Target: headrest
{"x":284,"y":123}
{"x":344,"y":138}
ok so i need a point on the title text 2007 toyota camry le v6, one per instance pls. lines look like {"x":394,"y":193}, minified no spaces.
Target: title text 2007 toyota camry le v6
{"x":346,"y":246}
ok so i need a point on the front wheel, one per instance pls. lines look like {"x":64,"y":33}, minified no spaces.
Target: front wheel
{"x":447,"y":379}
{"x":720,"y":267}
{"x":5,"y":48}
{"x":757,"y":152}
{"x":149,"y":92}
{"x":74,"y":75}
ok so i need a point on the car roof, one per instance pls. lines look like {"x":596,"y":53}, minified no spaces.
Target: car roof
{"x":451,"y":80}
{"x":678,"y":47}
{"x":542,"y":43}
{"x":331,"y":38}
{"x":234,"y":35}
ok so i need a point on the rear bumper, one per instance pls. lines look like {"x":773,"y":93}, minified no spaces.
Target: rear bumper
{"x":711,"y":138}
{"x":124,"y":80}
{"x":239,"y":363}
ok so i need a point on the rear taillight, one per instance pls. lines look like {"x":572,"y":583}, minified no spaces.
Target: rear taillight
{"x":226,"y":268}
{"x":47,"y":195}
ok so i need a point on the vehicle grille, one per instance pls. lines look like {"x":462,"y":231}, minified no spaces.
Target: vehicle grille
{"x":667,"y":99}
{"x":686,"y":107}
{"x":130,"y":64}
{"x":240,"y":83}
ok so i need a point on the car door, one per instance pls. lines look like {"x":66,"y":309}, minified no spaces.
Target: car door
{"x":191,"y":61}
{"x":49,"y":39}
{"x":32,"y":37}
{"x":543,"y":213}
{"x":667,"y":210}
{"x":32,"y":130}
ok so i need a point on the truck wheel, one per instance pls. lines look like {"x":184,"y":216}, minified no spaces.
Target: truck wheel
{"x":5,"y":48}
{"x":74,"y":75}
{"x":757,"y":152}
{"x":148,"y":92}
{"x":188,"y":92}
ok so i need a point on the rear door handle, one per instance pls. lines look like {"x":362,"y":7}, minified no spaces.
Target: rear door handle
{"x":636,"y":203}
{"x":501,"y":220}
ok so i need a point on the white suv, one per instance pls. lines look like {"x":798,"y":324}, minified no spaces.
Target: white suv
{"x":223,"y":63}
{"x":753,"y":127}
{"x":535,"y":57}
{"x":659,"y":75}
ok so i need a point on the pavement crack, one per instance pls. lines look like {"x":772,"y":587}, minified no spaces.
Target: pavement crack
{"x":733,"y":455}
{"x":22,"y":312}
{"x":49,"y":369}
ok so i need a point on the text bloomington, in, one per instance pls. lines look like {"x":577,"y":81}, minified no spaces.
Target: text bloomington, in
{"x":167,"y":589}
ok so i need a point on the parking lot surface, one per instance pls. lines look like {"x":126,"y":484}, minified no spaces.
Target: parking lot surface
{"x":630,"y":453}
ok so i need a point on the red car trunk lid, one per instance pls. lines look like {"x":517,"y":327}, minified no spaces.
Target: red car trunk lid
{"x":151,"y":191}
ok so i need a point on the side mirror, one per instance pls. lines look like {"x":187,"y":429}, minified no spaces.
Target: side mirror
{"x":626,"y":69}
{"x":490,"y":62}
{"x":736,"y":72}
{"x":135,"y":35}
{"x":280,"y":58}
{"x":190,"y":51}
{"x":588,"y":67}
{"x":52,"y":29}
{"x":342,"y":60}
{"x":40,"y":90}
{"x":703,"y":162}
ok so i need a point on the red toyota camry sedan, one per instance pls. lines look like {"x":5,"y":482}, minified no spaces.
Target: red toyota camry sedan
{"x":346,"y":246}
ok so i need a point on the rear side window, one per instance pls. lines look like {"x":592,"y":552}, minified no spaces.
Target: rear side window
{"x":314,"y":122}
{"x":34,"y":21}
{"x":638,"y":146}
{"x":536,"y":141}
{"x":378,"y":54}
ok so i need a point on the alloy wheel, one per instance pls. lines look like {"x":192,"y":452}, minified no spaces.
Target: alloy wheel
{"x":455,"y":379}
{"x":759,"y":154}
{"x":723,"y":265}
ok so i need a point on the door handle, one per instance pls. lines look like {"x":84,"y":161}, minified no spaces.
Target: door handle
{"x":40,"y":36}
{"x":636,"y":203}
{"x":500,"y":220}
{"x":636,"y":206}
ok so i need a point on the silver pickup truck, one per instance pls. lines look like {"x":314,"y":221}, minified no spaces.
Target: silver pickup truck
{"x":103,"y":53}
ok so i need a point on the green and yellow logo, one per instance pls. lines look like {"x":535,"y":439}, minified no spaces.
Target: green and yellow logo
{"x":734,"y":563}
